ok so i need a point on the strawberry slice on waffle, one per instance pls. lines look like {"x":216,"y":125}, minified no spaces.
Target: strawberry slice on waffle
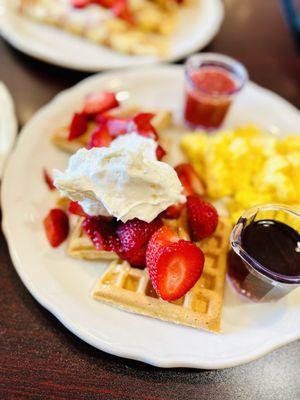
{"x":174,"y":265}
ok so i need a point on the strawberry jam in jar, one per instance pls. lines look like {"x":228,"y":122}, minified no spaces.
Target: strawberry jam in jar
{"x":212,"y":82}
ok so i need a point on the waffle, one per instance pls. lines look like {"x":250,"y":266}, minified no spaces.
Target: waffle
{"x":160,"y":121}
{"x":148,"y":36}
{"x":131,"y":289}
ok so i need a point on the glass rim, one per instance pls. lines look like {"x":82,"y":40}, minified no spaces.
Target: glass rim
{"x":221,"y":61}
{"x":256,"y":265}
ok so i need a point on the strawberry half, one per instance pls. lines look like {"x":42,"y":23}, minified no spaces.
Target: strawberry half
{"x":135,"y":233}
{"x":189,"y":179}
{"x":102,"y":232}
{"x":174,"y":265}
{"x":80,"y":3}
{"x":56,"y":225}
{"x":161,"y":238}
{"x":48,"y":179}
{"x":76,"y":209}
{"x":160,"y":152}
{"x":118,"y":126}
{"x":202,"y":217}
{"x":121,"y":10}
{"x":143,"y":125}
{"x":104,"y":3}
{"x":78,"y":126}
{"x":191,"y":184}
{"x":98,"y":103}
{"x":100,"y":137}
{"x":134,"y":236}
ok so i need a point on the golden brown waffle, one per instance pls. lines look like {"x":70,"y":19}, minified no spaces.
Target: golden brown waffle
{"x":131,"y":289}
{"x":160,"y":121}
{"x":148,"y":36}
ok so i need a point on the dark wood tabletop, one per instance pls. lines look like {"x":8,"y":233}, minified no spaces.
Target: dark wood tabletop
{"x":39,"y":357}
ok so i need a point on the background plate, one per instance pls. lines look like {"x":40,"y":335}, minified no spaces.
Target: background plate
{"x":8,"y":125}
{"x":198,"y":25}
{"x":63,"y":285}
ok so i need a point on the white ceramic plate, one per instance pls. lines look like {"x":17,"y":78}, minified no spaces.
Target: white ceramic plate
{"x":63,"y":285}
{"x":8,"y":125}
{"x":198,"y":25}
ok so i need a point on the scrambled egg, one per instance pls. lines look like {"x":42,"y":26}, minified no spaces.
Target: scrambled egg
{"x":246,"y":167}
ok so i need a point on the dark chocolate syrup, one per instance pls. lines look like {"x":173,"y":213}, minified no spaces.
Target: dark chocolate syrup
{"x":273,"y":244}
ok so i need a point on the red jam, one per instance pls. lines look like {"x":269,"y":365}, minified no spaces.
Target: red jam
{"x":208,"y":97}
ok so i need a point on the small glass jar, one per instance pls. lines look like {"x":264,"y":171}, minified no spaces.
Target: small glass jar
{"x":212,"y":82}
{"x":252,"y":278}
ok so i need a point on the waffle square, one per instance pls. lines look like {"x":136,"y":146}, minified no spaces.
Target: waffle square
{"x":130,"y":288}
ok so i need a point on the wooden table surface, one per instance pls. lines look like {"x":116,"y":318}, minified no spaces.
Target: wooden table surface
{"x":39,"y":358}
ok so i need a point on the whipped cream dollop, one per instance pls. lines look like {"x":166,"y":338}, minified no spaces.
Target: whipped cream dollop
{"x":124,"y":180}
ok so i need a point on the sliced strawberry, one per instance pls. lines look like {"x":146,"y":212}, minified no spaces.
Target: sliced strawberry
{"x":118,"y":126}
{"x":56,"y":225}
{"x":121,"y":10}
{"x":102,"y":118}
{"x":75,"y":208}
{"x":174,"y":211}
{"x":202,"y":217}
{"x":189,"y":179}
{"x":143,"y":125}
{"x":80,"y":3}
{"x":97,"y":103}
{"x":177,"y":269}
{"x":161,"y":238}
{"x":91,"y":227}
{"x":118,"y":7}
{"x":112,"y":241}
{"x":191,"y":183}
{"x":78,"y":126}
{"x":104,"y":3}
{"x":174,"y":265}
{"x":160,"y":152}
{"x":102,"y":232}
{"x":134,"y":234}
{"x":48,"y":179}
{"x":100,"y":137}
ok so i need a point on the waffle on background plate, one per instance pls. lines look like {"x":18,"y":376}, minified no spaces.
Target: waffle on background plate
{"x":154,"y":22}
{"x":130,"y":288}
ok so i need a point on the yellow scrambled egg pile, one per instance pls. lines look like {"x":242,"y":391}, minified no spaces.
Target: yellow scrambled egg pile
{"x":246,"y":167}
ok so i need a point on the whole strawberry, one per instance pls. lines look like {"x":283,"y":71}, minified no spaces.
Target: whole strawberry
{"x":202,"y":217}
